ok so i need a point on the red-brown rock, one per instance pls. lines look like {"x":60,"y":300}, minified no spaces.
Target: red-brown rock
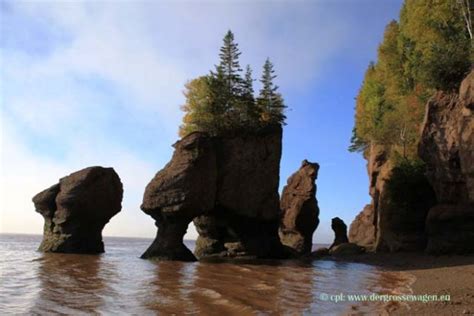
{"x":447,"y":147}
{"x":300,"y":209}
{"x":77,"y":208}
{"x":229,"y":186}
{"x":362,"y":229}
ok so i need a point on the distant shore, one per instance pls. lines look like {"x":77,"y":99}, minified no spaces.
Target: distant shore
{"x":434,"y":275}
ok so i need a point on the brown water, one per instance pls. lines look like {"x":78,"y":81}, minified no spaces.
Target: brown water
{"x":118,"y":282}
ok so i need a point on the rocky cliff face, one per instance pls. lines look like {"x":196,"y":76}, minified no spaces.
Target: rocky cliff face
{"x":76,"y":209}
{"x":364,"y":229}
{"x":401,"y":198}
{"x":244,"y":221}
{"x":403,"y":206}
{"x":228,"y":186}
{"x":447,"y":147}
{"x":299,"y":207}
{"x":397,"y":221}
{"x":443,"y":221}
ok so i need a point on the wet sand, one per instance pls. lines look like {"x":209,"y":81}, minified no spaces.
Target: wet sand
{"x":432,"y":275}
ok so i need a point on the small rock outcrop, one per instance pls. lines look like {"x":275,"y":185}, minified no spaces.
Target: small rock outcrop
{"x":299,"y":207}
{"x":346,"y":249}
{"x":228,"y":186}
{"x":212,"y":236}
{"x":447,"y":147}
{"x":362,"y":229}
{"x":76,"y":209}
{"x":340,"y":232}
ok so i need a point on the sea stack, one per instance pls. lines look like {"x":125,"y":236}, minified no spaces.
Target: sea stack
{"x":299,"y":209}
{"x":229,"y":186}
{"x":340,"y":232}
{"x":76,"y":209}
{"x":183,"y":189}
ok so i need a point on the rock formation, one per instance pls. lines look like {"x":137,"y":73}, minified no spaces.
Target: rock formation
{"x":447,"y":147}
{"x":340,"y":232}
{"x":76,"y":209}
{"x":346,"y":249}
{"x":403,"y":207}
{"x":319,"y":253}
{"x":229,"y":186}
{"x":392,"y":222}
{"x":440,"y":216}
{"x":395,"y":220}
{"x":184,"y":189}
{"x":299,"y":209}
{"x":362,"y":229}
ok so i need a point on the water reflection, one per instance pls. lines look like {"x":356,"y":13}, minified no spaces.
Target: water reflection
{"x":289,"y":287}
{"x":168,"y":288}
{"x":120,"y":283}
{"x":228,"y":288}
{"x":70,"y":284}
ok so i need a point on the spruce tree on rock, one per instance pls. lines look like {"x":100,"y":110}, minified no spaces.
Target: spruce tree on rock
{"x":249,"y":111}
{"x":229,"y":65}
{"x":227,"y":78}
{"x":223,"y":102}
{"x":270,"y":102}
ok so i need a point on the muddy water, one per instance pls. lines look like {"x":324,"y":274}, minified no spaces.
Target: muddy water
{"x":118,"y":282}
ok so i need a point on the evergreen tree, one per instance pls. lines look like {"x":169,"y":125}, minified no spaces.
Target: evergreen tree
{"x":270,"y":103}
{"x":223,"y":102}
{"x":227,"y":82}
{"x":250,"y":113}
{"x":229,"y":66}
{"x":247,"y":86}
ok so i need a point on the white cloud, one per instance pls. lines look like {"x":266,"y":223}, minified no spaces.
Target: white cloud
{"x":144,"y":52}
{"x":24,"y":174}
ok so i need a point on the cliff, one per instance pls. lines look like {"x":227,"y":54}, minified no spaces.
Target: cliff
{"x":447,"y":147}
{"x":432,"y":211}
{"x":364,"y":229}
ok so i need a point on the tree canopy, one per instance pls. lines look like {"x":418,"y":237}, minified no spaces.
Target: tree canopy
{"x":429,"y":49}
{"x":223,"y":101}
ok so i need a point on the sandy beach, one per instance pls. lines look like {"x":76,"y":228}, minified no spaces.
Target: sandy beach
{"x":428,"y":275}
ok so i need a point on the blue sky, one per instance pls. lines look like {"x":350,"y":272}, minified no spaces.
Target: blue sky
{"x":100,"y":83}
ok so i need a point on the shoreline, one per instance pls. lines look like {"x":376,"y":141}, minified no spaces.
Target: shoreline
{"x":424,"y":274}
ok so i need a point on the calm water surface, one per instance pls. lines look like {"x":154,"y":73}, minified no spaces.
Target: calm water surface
{"x":118,"y":282}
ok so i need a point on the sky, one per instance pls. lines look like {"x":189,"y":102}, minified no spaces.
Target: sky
{"x":100,"y":83}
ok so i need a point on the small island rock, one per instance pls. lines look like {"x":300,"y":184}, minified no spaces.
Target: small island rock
{"x":76,"y":209}
{"x":340,"y":232}
{"x":300,"y":209}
